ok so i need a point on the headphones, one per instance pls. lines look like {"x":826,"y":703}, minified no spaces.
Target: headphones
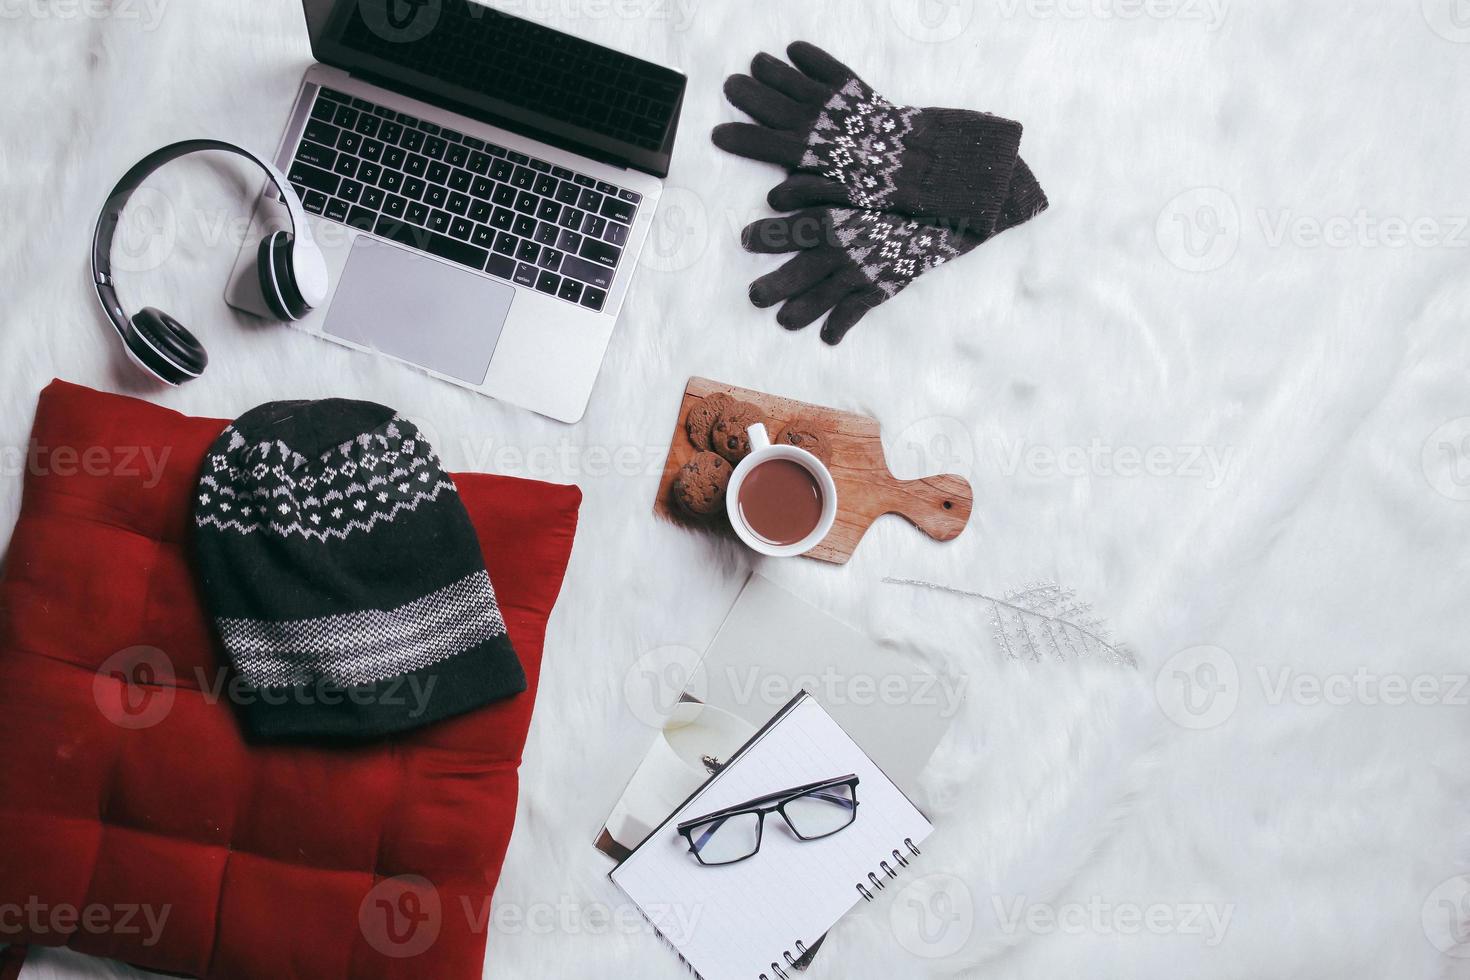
{"x":290,"y":268}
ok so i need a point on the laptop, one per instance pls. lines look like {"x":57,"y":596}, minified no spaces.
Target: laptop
{"x":481,"y":186}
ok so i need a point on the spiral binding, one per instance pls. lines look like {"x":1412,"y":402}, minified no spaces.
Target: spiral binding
{"x":900,"y":861}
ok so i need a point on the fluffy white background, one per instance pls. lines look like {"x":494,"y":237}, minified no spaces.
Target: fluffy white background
{"x":1320,"y":373}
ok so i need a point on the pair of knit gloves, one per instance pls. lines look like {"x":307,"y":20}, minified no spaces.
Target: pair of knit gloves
{"x":881,"y":193}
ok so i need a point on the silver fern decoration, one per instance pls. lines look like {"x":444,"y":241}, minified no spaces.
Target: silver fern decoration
{"x":1042,"y":621}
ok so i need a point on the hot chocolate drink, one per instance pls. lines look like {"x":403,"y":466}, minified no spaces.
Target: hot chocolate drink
{"x":781,"y":502}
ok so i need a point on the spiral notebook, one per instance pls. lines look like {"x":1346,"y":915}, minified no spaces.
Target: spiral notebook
{"x":758,"y":918}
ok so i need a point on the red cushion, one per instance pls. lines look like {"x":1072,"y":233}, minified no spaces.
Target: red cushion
{"x":124,"y":780}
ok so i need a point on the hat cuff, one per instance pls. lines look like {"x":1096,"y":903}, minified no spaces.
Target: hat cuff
{"x":476,"y":677}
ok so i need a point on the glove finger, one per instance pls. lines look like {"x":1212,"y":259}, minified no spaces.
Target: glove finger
{"x":764,"y":104}
{"x":796,"y":276}
{"x":848,"y":313}
{"x":818,"y":64}
{"x":759,"y":143}
{"x":802,"y":310}
{"x":787,"y":233}
{"x":805,"y":190}
{"x":787,"y":80}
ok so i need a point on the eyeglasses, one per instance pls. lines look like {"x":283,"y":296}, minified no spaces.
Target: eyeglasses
{"x":733,"y":834}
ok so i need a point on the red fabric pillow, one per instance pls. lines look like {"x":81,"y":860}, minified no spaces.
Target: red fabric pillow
{"x":125,"y":783}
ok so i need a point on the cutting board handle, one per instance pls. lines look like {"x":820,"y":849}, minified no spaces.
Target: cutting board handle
{"x":937,"y":505}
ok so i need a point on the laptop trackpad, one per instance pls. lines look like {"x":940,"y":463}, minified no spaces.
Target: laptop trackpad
{"x":427,"y":312}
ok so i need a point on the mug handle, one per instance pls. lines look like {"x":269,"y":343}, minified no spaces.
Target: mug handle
{"x":759,"y":437}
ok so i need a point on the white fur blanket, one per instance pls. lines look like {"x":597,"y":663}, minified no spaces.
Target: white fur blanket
{"x":1219,"y":389}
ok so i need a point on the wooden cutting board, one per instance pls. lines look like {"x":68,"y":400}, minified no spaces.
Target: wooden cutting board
{"x":937,"y":505}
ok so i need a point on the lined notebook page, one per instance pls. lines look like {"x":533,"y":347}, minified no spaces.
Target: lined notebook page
{"x":734,"y":922}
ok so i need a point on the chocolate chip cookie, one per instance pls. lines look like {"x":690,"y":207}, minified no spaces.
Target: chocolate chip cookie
{"x":729,"y":437}
{"x":804,"y":434}
{"x":699,"y":487}
{"x":702,"y":419}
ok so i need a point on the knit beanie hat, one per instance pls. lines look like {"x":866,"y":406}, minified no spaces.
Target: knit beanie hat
{"x":344,"y":576}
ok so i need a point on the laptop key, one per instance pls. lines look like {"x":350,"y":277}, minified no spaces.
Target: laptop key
{"x":440,"y":245}
{"x":525,"y":226}
{"x":390,"y":132}
{"x":593,"y":298}
{"x":434,"y":148}
{"x":372,"y":197}
{"x":314,"y":178}
{"x":515,"y":157}
{"x":368,"y":172}
{"x":567,"y":193}
{"x":479,"y":163}
{"x":333,"y":94}
{"x":413,"y":188}
{"x":594,"y":225}
{"x":361,"y":218}
{"x":525,"y":275}
{"x":439,"y":172}
{"x":571,"y":218}
{"x":600,"y":252}
{"x":416,"y":165}
{"x":504,"y":195}
{"x":505,"y":244}
{"x":548,"y":282}
{"x":315,"y":202}
{"x":546,"y":234}
{"x":584,"y":180}
{"x":618,"y":210}
{"x":528,"y":251}
{"x":616,"y":234}
{"x":394,"y":157}
{"x":460,"y":180}
{"x":429,"y":127}
{"x":395,"y":206}
{"x":545,"y":185}
{"x":501,"y":171}
{"x":503,"y":219}
{"x":482,"y":187}
{"x":372,"y":150}
{"x":501,"y":266}
{"x":462,"y":228}
{"x":568,"y":240}
{"x":494,"y":150}
{"x":523,"y":178}
{"x":571,"y":290}
{"x":473,"y":143}
{"x":527,"y":203}
{"x":632,"y":197}
{"x":367,"y":125}
{"x":348,"y":142}
{"x":362,"y":104}
{"x":603,"y":187}
{"x":324,"y":110}
{"x":435,"y":195}
{"x":541,"y":165}
{"x":321,"y":132}
{"x":413,"y":140}
{"x":300,"y":189}
{"x":346,"y":166}
{"x":549,"y":210}
{"x":458,"y":203}
{"x":316,"y":155}
{"x":344,"y":116}
{"x":457,"y":155}
{"x":419,"y":213}
{"x":484,"y":236}
{"x":350,"y":191}
{"x":336,"y":209}
{"x":590,"y":201}
{"x":550,"y":259}
{"x":584,"y":271}
{"x":439,"y":221}
{"x":451,"y":135}
{"x":561,"y":172}
{"x":480,"y":211}
{"x":392,"y":181}
{"x":383,"y":111}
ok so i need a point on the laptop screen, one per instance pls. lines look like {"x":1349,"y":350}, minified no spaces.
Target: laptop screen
{"x":508,"y":71}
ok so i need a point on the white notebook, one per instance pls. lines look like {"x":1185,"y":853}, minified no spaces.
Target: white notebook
{"x":758,"y":917}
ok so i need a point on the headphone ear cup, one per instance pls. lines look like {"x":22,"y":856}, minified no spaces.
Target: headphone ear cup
{"x":165,"y":346}
{"x":278,"y":277}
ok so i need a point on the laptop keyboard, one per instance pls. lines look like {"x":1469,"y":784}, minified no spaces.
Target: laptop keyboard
{"x":459,"y":198}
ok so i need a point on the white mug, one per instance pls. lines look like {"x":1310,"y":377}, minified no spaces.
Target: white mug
{"x":761,"y":451}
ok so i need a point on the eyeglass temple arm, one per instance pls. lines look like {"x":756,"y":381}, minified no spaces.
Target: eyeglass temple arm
{"x":769,"y":798}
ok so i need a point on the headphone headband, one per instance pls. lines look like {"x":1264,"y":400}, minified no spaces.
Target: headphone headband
{"x":118,"y":197}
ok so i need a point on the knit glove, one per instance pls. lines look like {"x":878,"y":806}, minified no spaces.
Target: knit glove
{"x":852,"y":260}
{"x":854,"y":147}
